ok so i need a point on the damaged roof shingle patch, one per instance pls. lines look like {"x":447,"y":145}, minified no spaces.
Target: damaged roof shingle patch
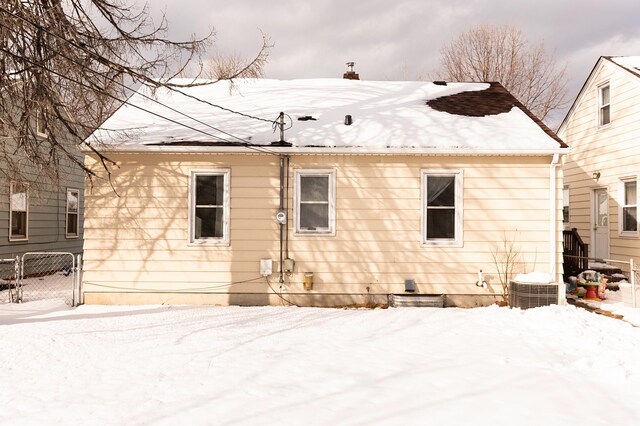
{"x":492,"y":101}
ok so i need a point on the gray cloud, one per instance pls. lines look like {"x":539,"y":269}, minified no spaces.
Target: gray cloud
{"x":391,"y":39}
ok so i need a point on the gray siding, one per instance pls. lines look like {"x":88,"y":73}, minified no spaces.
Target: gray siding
{"x":47,"y":215}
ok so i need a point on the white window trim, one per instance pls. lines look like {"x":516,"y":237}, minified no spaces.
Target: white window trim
{"x":621,"y":205}
{"x":298,"y":173}
{"x":66,"y":216}
{"x":42,"y":134}
{"x":225,"y":240}
{"x":26,"y":237}
{"x":566,"y":225}
{"x":601,"y":105}
{"x":459,"y":207}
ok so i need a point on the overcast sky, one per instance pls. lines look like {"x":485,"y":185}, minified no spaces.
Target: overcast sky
{"x":401,"y":39}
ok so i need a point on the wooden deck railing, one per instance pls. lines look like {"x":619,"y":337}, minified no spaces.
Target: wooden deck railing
{"x":575,"y":252}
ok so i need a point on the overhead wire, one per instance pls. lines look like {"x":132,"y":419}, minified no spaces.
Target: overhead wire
{"x":244,"y":142}
{"x":103,"y":60}
{"x":219,"y":139}
{"x":178,"y":290}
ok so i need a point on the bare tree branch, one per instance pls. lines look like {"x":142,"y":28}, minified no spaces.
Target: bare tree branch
{"x":72,"y":63}
{"x":502,"y":53}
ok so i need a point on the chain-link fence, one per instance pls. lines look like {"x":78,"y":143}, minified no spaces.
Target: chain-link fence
{"x":47,"y":276}
{"x":8,"y":280}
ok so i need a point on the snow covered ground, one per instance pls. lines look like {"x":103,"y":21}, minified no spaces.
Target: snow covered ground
{"x":169,"y":365}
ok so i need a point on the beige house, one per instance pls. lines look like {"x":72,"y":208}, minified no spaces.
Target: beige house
{"x":357,"y":191}
{"x":601,"y":173}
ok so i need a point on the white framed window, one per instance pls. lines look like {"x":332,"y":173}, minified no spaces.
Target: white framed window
{"x":628,"y":207}
{"x":209,"y":206}
{"x":72,"y":214}
{"x":566,"y":209}
{"x":41,"y":129}
{"x":442,"y":207}
{"x":18,"y":212}
{"x":604,"y":105}
{"x":315,"y":201}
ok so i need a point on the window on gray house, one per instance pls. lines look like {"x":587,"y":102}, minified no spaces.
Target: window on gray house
{"x":18,"y":212}
{"x":73,"y":202}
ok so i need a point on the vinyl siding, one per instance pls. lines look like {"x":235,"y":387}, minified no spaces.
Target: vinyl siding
{"x":613,"y":150}
{"x":46,"y":219}
{"x":138,"y":240}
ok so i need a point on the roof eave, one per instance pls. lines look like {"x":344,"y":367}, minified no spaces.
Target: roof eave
{"x":271,"y":150}
{"x":580,"y":93}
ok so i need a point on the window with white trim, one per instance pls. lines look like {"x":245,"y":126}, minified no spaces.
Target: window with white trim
{"x":209,"y":207}
{"x":18,"y":212}
{"x":41,"y":128}
{"x":315,"y":201}
{"x":442,"y":207}
{"x":565,"y":207}
{"x":73,"y":206}
{"x":604,"y":104}
{"x":628,"y":210}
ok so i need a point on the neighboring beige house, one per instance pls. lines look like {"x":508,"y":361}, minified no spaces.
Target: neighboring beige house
{"x":374,"y":188}
{"x":601,"y":173}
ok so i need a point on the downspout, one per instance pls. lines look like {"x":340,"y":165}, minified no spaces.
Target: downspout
{"x":553,"y":204}
{"x":286,"y":208}
{"x":282,"y":162}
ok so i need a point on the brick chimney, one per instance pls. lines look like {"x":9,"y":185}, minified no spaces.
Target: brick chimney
{"x":351,"y":74}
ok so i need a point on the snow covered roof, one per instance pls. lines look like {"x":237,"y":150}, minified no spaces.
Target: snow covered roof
{"x":630,"y":63}
{"x":387,"y":116}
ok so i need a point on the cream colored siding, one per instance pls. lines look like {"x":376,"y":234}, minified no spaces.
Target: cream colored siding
{"x":614,"y":151}
{"x":138,"y":240}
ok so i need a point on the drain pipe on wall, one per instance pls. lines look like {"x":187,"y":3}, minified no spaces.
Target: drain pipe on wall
{"x":553,"y":204}
{"x":282,"y":225}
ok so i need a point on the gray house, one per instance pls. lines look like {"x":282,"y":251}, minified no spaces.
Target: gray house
{"x":37,"y":214}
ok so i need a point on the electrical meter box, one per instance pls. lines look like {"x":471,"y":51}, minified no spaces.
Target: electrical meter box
{"x":266,"y":267}
{"x":289,"y":264}
{"x":281,"y":217}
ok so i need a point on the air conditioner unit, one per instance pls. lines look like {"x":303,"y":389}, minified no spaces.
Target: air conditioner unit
{"x":532,"y":295}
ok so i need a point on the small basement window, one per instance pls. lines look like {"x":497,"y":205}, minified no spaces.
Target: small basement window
{"x":442,"y":207}
{"x":209,"y":207}
{"x":315,"y":201}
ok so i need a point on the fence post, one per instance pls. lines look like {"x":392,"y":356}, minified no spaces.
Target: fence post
{"x":18,"y":275}
{"x":633,"y":283}
{"x":79,"y":279}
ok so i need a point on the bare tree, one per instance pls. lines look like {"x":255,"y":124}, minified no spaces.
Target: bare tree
{"x":503,"y":54}
{"x":65,"y":65}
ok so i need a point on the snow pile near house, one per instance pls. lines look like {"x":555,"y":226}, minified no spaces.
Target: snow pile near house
{"x":385,"y":114}
{"x":164,"y":365}
{"x":534,"y":278}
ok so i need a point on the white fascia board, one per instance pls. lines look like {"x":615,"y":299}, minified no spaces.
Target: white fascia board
{"x":587,"y":83}
{"x":274,"y":150}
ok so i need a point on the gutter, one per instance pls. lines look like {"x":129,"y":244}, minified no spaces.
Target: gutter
{"x":274,"y":150}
